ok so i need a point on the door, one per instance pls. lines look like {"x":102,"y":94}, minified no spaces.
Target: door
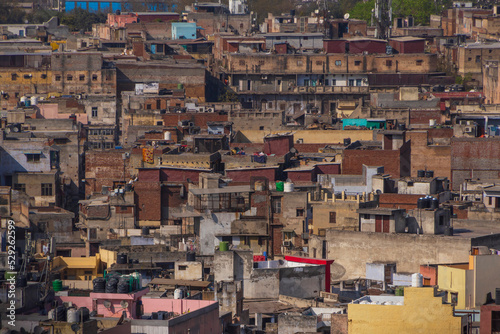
{"x":378,"y":223}
{"x":386,"y":224}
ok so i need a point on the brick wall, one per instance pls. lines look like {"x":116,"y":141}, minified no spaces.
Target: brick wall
{"x":353,"y":160}
{"x":148,"y":200}
{"x":474,"y":158}
{"x":398,"y":201}
{"x":430,"y":157}
{"x":104,"y":167}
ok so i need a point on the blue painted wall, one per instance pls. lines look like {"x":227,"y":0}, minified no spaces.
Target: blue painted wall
{"x":183,"y":30}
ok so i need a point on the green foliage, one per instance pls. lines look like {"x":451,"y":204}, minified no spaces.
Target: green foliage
{"x":9,"y":14}
{"x":81,"y":20}
{"x":363,"y":11}
{"x":421,"y":10}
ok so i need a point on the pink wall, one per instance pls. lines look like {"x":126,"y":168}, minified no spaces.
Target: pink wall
{"x":173,"y":305}
{"x":51,"y":111}
{"x":95,"y":302}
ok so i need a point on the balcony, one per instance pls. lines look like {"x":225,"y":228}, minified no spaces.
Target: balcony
{"x":310,"y":90}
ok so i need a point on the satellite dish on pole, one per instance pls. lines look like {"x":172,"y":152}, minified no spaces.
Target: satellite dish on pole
{"x":124,"y":304}
{"x":107,"y":304}
{"x":346,"y":16}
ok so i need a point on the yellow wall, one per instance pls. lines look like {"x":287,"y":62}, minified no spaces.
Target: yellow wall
{"x":421,"y":313}
{"x":313,"y":136}
{"x":77,"y":266}
{"x":454,"y":279}
{"x":108,"y":257}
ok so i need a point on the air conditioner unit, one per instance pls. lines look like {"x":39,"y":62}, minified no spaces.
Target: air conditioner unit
{"x":469,"y":122}
{"x":210,"y":110}
{"x":263,"y":77}
{"x":202,"y":109}
{"x":287,"y":243}
{"x":469,"y":129}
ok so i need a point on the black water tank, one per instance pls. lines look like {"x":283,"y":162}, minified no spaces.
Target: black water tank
{"x":145,"y":230}
{"x":347,"y":141}
{"x":497,"y":296}
{"x":421,"y":173}
{"x":190,"y":256}
{"x":448,"y":231}
{"x":83,"y":314}
{"x":421,"y":203}
{"x":21,"y":281}
{"x":429,"y":173}
{"x":122,"y":259}
{"x":401,"y":126}
{"x":292,"y":12}
{"x":434,"y":203}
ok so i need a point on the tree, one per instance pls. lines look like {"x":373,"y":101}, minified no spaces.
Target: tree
{"x":363,"y":10}
{"x":81,"y":20}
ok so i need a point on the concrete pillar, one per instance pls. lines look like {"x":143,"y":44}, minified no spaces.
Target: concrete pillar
{"x":308,"y":197}
{"x":326,"y":197}
{"x":258,"y":320}
{"x":357,"y":198}
{"x":343,"y":195}
{"x":364,"y":196}
{"x":333,"y":197}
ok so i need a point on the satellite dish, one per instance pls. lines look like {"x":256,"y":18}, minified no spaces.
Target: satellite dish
{"x":346,"y":16}
{"x":124,"y":304}
{"x":107,"y":304}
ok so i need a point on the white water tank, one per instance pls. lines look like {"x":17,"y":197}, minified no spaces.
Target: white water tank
{"x":288,"y":187}
{"x":34,"y":100}
{"x":432,"y":122}
{"x":71,"y":315}
{"x":24,"y":99}
{"x":417,"y":280}
{"x":167,"y":135}
{"x":51,"y":314}
{"x":178,"y":293}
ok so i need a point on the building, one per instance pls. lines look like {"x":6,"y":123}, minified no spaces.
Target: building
{"x":467,"y":285}
{"x":404,"y":314}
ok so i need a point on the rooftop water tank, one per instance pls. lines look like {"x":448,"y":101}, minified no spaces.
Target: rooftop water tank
{"x":417,"y":280}
{"x":288,"y":187}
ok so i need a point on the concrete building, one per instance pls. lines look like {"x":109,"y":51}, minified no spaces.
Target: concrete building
{"x":408,"y":251}
{"x":467,"y":285}
{"x":408,"y":314}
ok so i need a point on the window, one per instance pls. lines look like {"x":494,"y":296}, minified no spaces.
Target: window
{"x":319,"y":62}
{"x":242,"y":63}
{"x":261,"y":127}
{"x":27,"y":76}
{"x":13,"y":76}
{"x":33,"y":157}
{"x":148,"y":106}
{"x":420,"y":62}
{"x":276,"y":205}
{"x":358,"y":82}
{"x":69,"y":77}
{"x":453,"y":298}
{"x":94,"y":77}
{"x":58,"y":78}
{"x":300,"y":212}
{"x":46,"y":189}
{"x":469,"y":59}
{"x":388,"y":63}
{"x":94,"y":111}
{"x":490,"y":200}
{"x":262,"y":62}
{"x":43,"y":76}
{"x":109,"y":145}
{"x":182,"y":267}
{"x":338,"y":62}
{"x":351,"y":82}
{"x":269,"y":104}
{"x":333,"y":217}
{"x":326,"y":82}
{"x":334,"y":82}
{"x":82,"y":77}
{"x":441,"y":220}
{"x":20,"y":187}
{"x":357,"y":62}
